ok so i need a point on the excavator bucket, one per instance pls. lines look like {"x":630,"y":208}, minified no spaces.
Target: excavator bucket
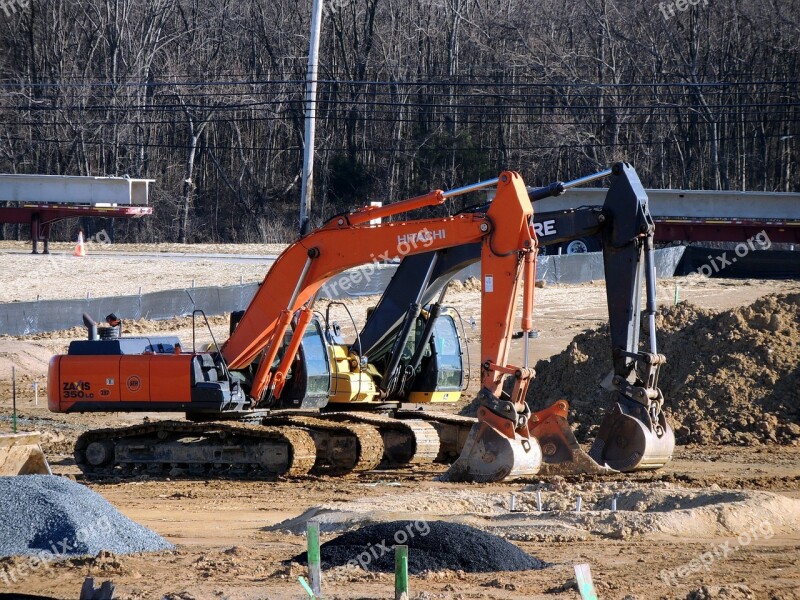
{"x":20,"y":454}
{"x":630,"y":439}
{"x":490,"y":455}
{"x":561,"y":453}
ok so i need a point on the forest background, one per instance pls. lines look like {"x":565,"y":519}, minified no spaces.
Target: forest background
{"x":207,"y":98}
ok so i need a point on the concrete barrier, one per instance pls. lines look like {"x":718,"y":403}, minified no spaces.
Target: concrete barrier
{"x":26,"y":318}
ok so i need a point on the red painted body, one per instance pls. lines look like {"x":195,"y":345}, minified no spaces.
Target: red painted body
{"x":147,"y":379}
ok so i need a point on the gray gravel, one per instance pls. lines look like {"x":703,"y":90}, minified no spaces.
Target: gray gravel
{"x":51,"y":514}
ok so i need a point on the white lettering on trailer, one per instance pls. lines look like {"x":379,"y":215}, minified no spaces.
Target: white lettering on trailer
{"x":545,"y":228}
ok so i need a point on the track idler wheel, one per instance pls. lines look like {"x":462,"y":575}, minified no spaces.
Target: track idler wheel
{"x":561,"y":452}
{"x":490,"y":455}
{"x":631,"y":439}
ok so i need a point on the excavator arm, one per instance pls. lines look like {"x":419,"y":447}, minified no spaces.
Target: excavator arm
{"x":634,"y":434}
{"x":502,"y":232}
{"x":500,"y":446}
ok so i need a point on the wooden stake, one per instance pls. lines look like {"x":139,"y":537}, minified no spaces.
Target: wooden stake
{"x":583,"y":577}
{"x":306,"y":587}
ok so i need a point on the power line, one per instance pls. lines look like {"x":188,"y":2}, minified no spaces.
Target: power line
{"x":181,"y":108}
{"x":445,"y":82}
{"x":392,"y":149}
{"x":443,"y":118}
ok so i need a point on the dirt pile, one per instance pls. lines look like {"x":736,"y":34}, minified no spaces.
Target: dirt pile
{"x":731,"y":377}
{"x":432,"y":546}
{"x":471,"y":284}
{"x":643,"y":509}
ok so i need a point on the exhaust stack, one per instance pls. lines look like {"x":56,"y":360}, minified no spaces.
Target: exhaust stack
{"x":91,"y":326}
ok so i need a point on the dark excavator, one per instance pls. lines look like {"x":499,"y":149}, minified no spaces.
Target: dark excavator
{"x":634,"y":434}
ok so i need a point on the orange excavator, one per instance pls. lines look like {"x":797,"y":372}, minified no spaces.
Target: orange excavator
{"x":254,"y":404}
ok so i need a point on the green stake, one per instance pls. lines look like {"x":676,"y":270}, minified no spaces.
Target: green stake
{"x":306,"y":587}
{"x":583,"y":577}
{"x":676,"y":294}
{"x":14,"y":397}
{"x":314,"y":572}
{"x":401,"y":573}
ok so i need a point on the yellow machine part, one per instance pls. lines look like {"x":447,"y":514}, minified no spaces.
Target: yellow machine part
{"x":20,"y":454}
{"x":434,"y":397}
{"x":347,"y":385}
{"x":352,"y":387}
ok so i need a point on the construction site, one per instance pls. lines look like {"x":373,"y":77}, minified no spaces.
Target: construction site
{"x":632,"y":436}
{"x":363,"y":299}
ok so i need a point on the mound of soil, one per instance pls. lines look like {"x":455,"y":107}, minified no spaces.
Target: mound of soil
{"x":28,"y":359}
{"x":432,"y":546}
{"x":731,"y":377}
{"x":471,"y":284}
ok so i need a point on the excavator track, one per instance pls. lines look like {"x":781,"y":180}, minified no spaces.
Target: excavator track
{"x":340,"y":447}
{"x":452,"y":430}
{"x":405,"y":442}
{"x":179,"y":447}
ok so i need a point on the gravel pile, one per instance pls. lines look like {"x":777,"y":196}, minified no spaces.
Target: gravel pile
{"x":50,"y":514}
{"x":432,"y":546}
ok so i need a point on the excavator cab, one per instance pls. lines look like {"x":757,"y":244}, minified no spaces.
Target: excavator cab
{"x":433,"y":360}
{"x":441,"y":376}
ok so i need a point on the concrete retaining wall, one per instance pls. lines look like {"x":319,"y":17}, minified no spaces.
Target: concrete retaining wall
{"x":25,"y":318}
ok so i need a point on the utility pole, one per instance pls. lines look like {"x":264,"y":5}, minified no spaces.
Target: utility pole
{"x":307,"y":187}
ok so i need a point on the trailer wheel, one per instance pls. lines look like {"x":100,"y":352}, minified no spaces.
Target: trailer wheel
{"x":581,"y":246}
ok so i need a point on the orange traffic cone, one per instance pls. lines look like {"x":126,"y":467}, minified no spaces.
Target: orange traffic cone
{"x":80,"y":247}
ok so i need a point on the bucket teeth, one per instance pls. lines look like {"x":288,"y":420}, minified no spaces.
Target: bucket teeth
{"x":630,"y":440}
{"x":490,"y":456}
{"x":561,"y":452}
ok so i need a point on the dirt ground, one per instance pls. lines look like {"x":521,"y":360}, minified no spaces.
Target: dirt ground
{"x":227,"y":545}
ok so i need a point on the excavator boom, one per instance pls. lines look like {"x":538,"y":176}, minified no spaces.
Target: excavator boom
{"x":350,"y":241}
